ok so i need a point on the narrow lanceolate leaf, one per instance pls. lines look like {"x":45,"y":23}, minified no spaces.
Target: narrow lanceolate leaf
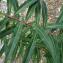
{"x":44,"y":13}
{"x":30,"y":50}
{"x":5,"y":46}
{"x":60,"y":18}
{"x":6,"y":32}
{"x":36,"y":56}
{"x":2,"y":50}
{"x":53,"y":26}
{"x":14,"y":53}
{"x":7,"y":51}
{"x":15,"y":4}
{"x":3,"y":22}
{"x":49,"y":58}
{"x":48,"y":42}
{"x":9,"y":6}
{"x":31,"y":10}
{"x":37,"y":12}
{"x":14,"y":42}
{"x":25,"y":5}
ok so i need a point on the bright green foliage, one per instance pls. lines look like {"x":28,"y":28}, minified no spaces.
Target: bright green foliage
{"x":27,"y":40}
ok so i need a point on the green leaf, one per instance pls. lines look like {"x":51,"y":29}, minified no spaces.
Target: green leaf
{"x":3,"y":22}
{"x":21,"y":50}
{"x":31,"y":10}
{"x":25,"y":5}
{"x":20,"y":40}
{"x":14,"y":53}
{"x":15,"y":5}
{"x":52,"y":26}
{"x":60,"y":18}
{"x":48,"y":42}
{"x":61,"y":53}
{"x":37,"y":12}
{"x":44,"y":13}
{"x":5,"y":47}
{"x":2,"y":50}
{"x":14,"y":42}
{"x":9,"y":6}
{"x":36,"y":55}
{"x":30,"y":50}
{"x":6,"y":32}
{"x":49,"y":57}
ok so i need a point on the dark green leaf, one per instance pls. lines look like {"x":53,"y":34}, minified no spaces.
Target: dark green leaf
{"x":38,"y":12}
{"x":6,"y":32}
{"x":15,"y":5}
{"x":48,"y":42}
{"x":53,"y":26}
{"x":30,"y":50}
{"x":60,"y":18}
{"x":9,"y":6}
{"x":2,"y":50}
{"x":44,"y":13}
{"x":31,"y":10}
{"x":25,"y":5}
{"x":14,"y":42}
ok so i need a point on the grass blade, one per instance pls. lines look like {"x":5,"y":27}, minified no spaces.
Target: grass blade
{"x":53,"y":26}
{"x":15,"y":5}
{"x":44,"y":13}
{"x":30,"y":51}
{"x":14,"y":42}
{"x":2,"y":50}
{"x":31,"y":10}
{"x":49,"y":43}
{"x":25,"y":5}
{"x":37,"y":12}
{"x":6,"y":32}
{"x":60,"y":18}
{"x":9,"y":5}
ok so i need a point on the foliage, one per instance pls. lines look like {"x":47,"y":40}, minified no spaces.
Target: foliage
{"x":23,"y":38}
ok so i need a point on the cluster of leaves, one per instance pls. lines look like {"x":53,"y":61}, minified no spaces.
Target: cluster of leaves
{"x":21,"y":39}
